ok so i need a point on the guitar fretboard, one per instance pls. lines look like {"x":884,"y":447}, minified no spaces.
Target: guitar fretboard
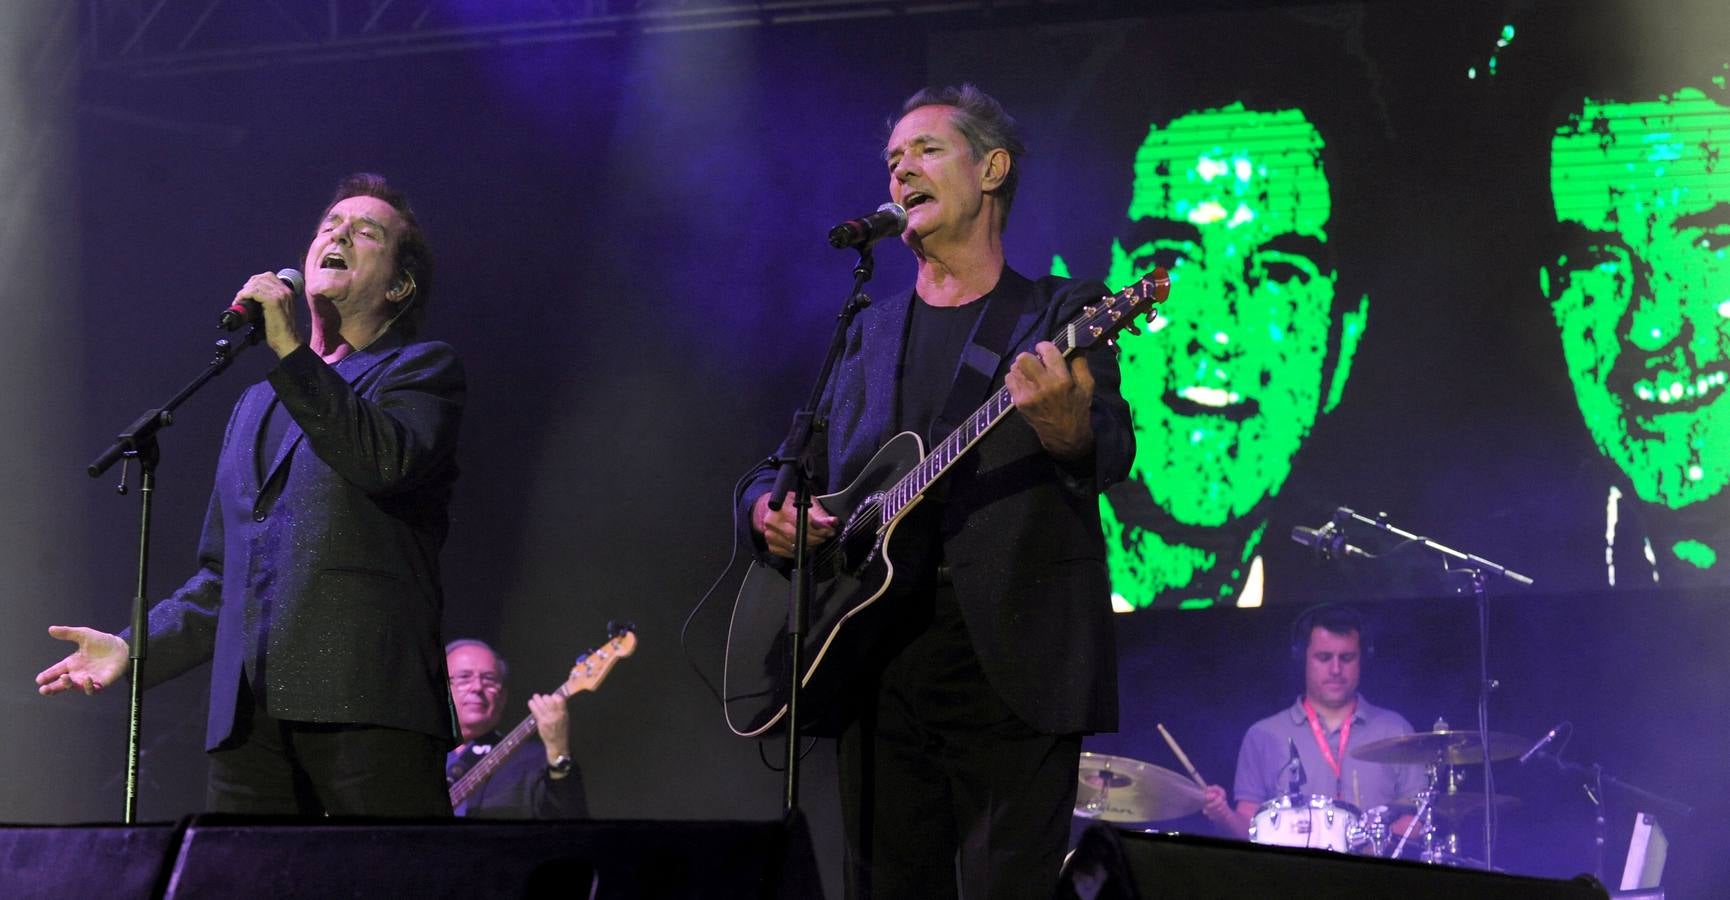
{"x":951,"y":448}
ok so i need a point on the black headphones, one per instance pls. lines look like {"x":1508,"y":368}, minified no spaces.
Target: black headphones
{"x":1335,"y":617}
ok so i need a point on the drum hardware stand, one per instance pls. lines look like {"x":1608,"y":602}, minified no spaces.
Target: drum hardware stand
{"x":1477,"y":569}
{"x":1423,"y":819}
{"x":138,"y":442}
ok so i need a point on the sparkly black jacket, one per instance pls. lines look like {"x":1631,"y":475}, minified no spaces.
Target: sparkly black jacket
{"x":321,"y":584}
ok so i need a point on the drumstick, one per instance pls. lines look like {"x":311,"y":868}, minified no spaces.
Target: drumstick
{"x":1199,"y":781}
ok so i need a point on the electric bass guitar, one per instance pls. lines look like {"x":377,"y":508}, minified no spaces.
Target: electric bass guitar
{"x":586,"y":675}
{"x":854,"y":569}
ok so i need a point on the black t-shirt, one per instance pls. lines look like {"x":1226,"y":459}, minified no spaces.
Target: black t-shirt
{"x":936,"y":337}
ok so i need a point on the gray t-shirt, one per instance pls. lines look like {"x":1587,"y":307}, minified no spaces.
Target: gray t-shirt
{"x":1265,"y":752}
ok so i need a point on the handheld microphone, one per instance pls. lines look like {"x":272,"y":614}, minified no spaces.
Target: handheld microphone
{"x":1542,"y":743}
{"x":1329,"y":542}
{"x":889,"y":219}
{"x":243,"y":312}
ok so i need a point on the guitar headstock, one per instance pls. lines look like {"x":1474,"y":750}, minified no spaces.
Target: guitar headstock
{"x":1102,"y":320}
{"x":592,"y":667}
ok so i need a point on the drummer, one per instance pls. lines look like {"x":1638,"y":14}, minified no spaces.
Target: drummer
{"x":1330,"y":641}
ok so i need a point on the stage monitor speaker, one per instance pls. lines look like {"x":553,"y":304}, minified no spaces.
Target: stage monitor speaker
{"x":1116,"y":864}
{"x":57,"y":862}
{"x":224,"y":856}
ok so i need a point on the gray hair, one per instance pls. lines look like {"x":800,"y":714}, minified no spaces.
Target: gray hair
{"x":504,"y":667}
{"x":985,"y":125}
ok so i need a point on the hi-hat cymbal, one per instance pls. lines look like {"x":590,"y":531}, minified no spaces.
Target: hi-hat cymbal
{"x":1120,"y":789}
{"x":1454,"y":748}
{"x":1453,"y":806}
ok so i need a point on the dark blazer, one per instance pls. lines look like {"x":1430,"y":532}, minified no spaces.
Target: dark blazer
{"x":321,"y":584}
{"x":1019,"y":531}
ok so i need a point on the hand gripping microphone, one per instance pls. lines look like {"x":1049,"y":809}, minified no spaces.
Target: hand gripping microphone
{"x":243,"y":312}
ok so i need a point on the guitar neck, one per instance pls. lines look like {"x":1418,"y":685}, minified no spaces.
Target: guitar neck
{"x":490,"y":763}
{"x":947,"y":451}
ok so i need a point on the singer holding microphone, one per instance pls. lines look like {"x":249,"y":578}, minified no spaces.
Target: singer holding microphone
{"x":958,"y":759}
{"x":317,"y":599}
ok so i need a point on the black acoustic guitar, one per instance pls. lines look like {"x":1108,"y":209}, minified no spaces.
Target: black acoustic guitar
{"x":854,"y":569}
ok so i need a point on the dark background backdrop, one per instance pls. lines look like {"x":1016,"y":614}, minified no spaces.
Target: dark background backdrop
{"x":628,"y":234}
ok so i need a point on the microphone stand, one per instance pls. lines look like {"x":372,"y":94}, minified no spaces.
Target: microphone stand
{"x":796,"y":475}
{"x":1595,"y":780}
{"x":1477,"y":570}
{"x":138,"y":442}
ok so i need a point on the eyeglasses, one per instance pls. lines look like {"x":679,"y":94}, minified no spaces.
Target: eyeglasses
{"x":488,"y":681}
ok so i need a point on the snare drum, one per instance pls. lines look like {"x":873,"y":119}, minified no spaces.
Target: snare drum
{"x":1306,"y":820}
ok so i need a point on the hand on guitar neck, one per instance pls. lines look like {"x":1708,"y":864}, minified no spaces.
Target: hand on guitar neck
{"x":776,"y":526}
{"x":552,"y":722}
{"x":1055,"y":396}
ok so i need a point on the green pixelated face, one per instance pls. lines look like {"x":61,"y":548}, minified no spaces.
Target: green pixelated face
{"x":1643,"y":298}
{"x":1235,"y":204}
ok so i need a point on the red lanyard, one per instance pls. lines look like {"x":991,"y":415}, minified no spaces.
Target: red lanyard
{"x":1321,"y":739}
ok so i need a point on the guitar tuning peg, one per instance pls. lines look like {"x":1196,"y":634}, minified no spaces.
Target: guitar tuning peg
{"x":1130,"y":327}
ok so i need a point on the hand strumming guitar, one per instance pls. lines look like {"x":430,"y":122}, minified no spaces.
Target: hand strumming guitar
{"x":776,"y":526}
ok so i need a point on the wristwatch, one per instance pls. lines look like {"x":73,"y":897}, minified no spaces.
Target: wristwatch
{"x":561,"y":765}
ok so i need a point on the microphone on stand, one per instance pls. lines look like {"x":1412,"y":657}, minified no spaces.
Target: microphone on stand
{"x":243,"y":312}
{"x":889,"y":219}
{"x":1542,"y":743}
{"x":1296,"y":766}
{"x":1329,"y":542}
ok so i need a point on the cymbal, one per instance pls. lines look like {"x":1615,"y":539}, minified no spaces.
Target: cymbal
{"x":1454,"y":748}
{"x":1120,"y":789}
{"x":1453,"y":806}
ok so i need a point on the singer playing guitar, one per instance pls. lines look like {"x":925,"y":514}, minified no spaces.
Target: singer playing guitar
{"x":960,"y":744}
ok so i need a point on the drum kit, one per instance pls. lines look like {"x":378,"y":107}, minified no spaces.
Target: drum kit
{"x":1120,"y":789}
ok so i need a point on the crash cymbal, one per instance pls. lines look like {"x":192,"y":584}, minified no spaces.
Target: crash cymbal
{"x":1453,"y":806}
{"x":1120,"y":789}
{"x":1454,"y":748}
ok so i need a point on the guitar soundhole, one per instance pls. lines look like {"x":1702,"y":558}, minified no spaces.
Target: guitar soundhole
{"x":858,"y":538}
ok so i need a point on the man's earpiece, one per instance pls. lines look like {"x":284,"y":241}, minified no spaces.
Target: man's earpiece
{"x":402,"y":288}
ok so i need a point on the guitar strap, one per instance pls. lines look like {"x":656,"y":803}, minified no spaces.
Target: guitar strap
{"x":984,"y":353}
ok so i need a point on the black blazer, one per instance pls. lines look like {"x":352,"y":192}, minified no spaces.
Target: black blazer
{"x":321,"y":584}
{"x":1020,"y":532}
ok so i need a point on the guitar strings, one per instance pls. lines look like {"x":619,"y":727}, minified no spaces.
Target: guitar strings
{"x":826,"y":554}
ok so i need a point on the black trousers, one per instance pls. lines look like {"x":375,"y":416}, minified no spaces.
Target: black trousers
{"x":945,"y":792}
{"x":312,"y":768}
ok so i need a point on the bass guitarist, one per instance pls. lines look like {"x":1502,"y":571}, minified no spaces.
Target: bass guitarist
{"x":541,"y":782}
{"x":959,"y":753}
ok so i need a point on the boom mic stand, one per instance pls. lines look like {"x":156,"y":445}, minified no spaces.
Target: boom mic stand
{"x":1477,"y":570}
{"x":1594,"y":779}
{"x":138,"y":442}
